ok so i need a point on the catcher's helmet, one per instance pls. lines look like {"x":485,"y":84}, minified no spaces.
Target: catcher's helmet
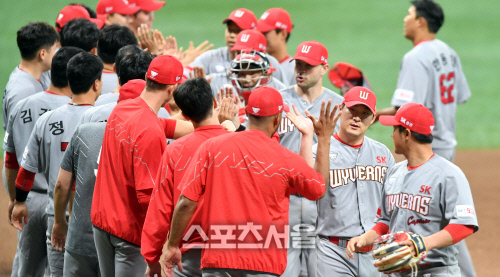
{"x":249,"y":60}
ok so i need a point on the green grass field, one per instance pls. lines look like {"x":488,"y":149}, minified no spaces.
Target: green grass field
{"x":365,"y":33}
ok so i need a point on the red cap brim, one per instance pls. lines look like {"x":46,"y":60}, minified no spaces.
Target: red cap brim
{"x":353,"y":103}
{"x":127,"y":10}
{"x":307,"y":60}
{"x":388,"y":120}
{"x":153,"y":6}
{"x":97,"y":22}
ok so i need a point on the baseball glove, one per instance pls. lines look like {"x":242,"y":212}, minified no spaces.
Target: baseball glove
{"x":391,"y":257}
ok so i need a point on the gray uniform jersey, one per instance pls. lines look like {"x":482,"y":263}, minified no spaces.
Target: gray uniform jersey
{"x":353,"y":196}
{"x":426,"y":199}
{"x":221,"y":80}
{"x":47,"y":144}
{"x":45,"y":79}
{"x":107,"y":98}
{"x":431,"y":74}
{"x":101,"y":113}
{"x":109,"y":82}
{"x":289,"y":135}
{"x":219,"y":60}
{"x":22,"y":121}
{"x":81,"y":158}
{"x":20,"y":85}
{"x":288,"y":68}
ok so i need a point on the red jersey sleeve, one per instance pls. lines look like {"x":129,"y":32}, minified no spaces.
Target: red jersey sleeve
{"x":304,"y":179}
{"x":193,"y":183}
{"x":168,"y":125}
{"x":159,"y":215}
{"x":146,"y":159}
{"x":11,"y":161}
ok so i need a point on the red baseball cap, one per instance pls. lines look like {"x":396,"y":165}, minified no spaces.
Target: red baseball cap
{"x":413,"y":116}
{"x":275,"y":18}
{"x":166,"y":69}
{"x":245,"y":19}
{"x":250,"y":39}
{"x":115,"y":6}
{"x":131,"y":89}
{"x":312,"y":52}
{"x":146,"y":5}
{"x":266,"y":101}
{"x":360,"y":95}
{"x":72,"y":12}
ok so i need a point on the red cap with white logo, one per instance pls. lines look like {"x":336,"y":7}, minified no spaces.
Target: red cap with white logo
{"x":312,"y":52}
{"x":360,"y":96}
{"x":245,"y":19}
{"x":413,"y":116}
{"x":115,"y":6}
{"x":250,"y":39}
{"x":131,"y":89}
{"x":72,"y":12}
{"x":275,"y":18}
{"x":167,"y":70}
{"x":266,"y":101}
{"x":146,"y":5}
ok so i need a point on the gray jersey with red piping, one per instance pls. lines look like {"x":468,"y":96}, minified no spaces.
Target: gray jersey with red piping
{"x":424,"y":200}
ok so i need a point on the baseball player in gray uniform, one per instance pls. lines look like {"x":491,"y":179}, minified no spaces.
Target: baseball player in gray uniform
{"x":112,"y":97}
{"x":425,"y":194}
{"x":276,"y":25}
{"x":37,"y":45}
{"x":112,"y":38}
{"x":48,"y":141}
{"x":431,"y":74}
{"x":219,"y":60}
{"x":79,"y":163}
{"x":21,"y":123}
{"x":249,"y":70}
{"x":310,"y":66}
{"x":358,"y":165}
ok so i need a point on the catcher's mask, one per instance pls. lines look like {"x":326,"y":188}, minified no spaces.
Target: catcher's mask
{"x":253,"y":61}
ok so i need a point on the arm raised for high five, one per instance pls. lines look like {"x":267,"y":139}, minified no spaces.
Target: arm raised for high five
{"x":306,"y":127}
{"x":324,"y":128}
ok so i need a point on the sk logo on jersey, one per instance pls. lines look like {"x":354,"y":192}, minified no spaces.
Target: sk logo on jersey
{"x":305,"y":49}
{"x":239,"y":13}
{"x":245,"y":37}
{"x":333,"y":157}
{"x":363,"y":94}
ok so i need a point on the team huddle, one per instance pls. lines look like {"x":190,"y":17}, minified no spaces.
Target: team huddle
{"x":126,"y":155}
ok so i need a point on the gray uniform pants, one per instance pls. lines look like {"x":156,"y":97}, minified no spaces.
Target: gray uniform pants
{"x":76,"y":265}
{"x":191,"y":263}
{"x":333,"y":262}
{"x":56,"y":258}
{"x":444,"y":271}
{"x":225,"y":272}
{"x":31,"y":255}
{"x":302,"y":211}
{"x":118,"y":257}
{"x":463,"y":256}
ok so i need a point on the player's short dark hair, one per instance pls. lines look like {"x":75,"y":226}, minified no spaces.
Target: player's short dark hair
{"x":432,"y":12}
{"x":260,"y":119}
{"x":153,"y":85}
{"x":80,"y":32}
{"x":123,"y":52}
{"x":133,"y":66}
{"x":279,"y":31}
{"x":91,"y":12}
{"x":83,"y":70}
{"x":35,"y":36}
{"x":195,"y":99}
{"x":60,"y":61}
{"x":113,"y":38}
{"x":421,"y":138}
